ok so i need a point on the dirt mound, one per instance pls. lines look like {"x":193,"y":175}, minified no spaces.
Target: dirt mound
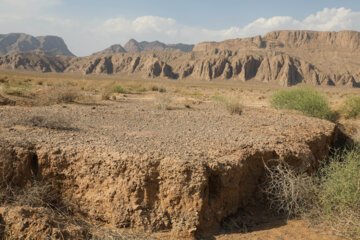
{"x":124,"y":168}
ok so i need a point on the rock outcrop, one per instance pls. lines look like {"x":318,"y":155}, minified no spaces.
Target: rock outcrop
{"x":22,"y":43}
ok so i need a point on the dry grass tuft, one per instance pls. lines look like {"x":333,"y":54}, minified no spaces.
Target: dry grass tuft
{"x":163,"y":102}
{"x":232,"y":104}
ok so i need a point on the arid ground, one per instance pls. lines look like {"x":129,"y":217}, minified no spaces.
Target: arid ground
{"x":102,"y":157}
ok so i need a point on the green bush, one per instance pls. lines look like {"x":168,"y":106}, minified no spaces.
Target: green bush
{"x":339,"y":192}
{"x":305,"y":100}
{"x":341,"y":182}
{"x":351,"y":107}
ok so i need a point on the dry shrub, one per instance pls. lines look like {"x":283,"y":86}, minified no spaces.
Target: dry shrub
{"x":38,"y":194}
{"x":287,"y":190}
{"x":48,"y":120}
{"x":156,"y":88}
{"x":65,"y":94}
{"x":163,"y":102}
{"x":58,"y":95}
{"x":106,"y":94}
{"x":107,"y":91}
{"x":232,"y":104}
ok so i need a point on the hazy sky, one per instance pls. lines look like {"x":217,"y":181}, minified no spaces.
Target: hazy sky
{"x":88,"y":26}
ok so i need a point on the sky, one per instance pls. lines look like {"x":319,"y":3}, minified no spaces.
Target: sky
{"x":88,"y":26}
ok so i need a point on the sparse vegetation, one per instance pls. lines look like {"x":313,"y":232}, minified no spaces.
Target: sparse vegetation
{"x":305,"y":100}
{"x":154,"y":88}
{"x":232,"y":104}
{"x":351,"y":107}
{"x":65,"y":95}
{"x":4,"y":79}
{"x":332,"y":196}
{"x":218,"y":98}
{"x":16,"y":89}
{"x":158,"y":89}
{"x":163,"y":102}
{"x":194,"y":94}
{"x":138,"y":89}
{"x":120,"y":89}
{"x":50,"y":121}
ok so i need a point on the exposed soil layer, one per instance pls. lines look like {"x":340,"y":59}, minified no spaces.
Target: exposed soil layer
{"x":130,"y":165}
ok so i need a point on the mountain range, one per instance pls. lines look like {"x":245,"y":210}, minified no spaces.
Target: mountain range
{"x":52,"y":45}
{"x":284,"y":58}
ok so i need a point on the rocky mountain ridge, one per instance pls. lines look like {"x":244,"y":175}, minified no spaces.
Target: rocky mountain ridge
{"x":283,"y":58}
{"x":23,"y":43}
{"x":133,"y":46}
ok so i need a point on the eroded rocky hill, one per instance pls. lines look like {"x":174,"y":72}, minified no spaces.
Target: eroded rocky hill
{"x":23,"y":43}
{"x":284,"y":58}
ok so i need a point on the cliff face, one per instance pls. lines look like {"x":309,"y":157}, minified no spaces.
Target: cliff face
{"x":284,"y":58}
{"x":22,"y":43}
